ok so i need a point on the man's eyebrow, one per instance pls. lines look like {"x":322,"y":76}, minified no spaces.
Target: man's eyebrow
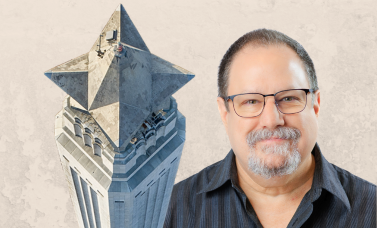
{"x":258,"y":91}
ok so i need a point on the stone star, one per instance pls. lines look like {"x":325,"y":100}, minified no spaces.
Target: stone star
{"x":119,"y":82}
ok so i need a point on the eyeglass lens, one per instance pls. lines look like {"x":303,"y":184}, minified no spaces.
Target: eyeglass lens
{"x":250,"y":105}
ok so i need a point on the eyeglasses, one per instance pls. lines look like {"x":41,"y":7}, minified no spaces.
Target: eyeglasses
{"x":252,"y":104}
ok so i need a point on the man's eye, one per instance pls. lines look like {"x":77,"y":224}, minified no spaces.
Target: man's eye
{"x":289,"y":99}
{"x":250,"y":102}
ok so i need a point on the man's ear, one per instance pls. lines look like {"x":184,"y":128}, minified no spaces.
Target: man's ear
{"x":317,"y":102}
{"x":223,"y":111}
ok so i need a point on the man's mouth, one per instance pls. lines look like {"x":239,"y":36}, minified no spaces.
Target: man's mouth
{"x":273,"y":140}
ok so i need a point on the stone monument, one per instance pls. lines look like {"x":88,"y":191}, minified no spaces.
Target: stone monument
{"x":119,"y":134}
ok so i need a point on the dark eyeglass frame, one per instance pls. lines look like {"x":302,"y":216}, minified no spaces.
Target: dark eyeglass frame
{"x":264,"y":100}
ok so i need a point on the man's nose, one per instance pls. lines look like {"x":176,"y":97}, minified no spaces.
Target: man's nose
{"x":271,"y":117}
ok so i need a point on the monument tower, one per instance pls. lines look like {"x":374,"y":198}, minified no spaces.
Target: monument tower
{"x":119,"y":134}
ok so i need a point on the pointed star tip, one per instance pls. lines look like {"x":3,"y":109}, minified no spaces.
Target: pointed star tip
{"x":190,"y":76}
{"x":120,"y":7}
{"x":48,"y":73}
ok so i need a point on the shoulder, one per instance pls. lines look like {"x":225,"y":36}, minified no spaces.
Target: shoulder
{"x":185,"y":198}
{"x":349,"y":180}
{"x":356,"y":188}
{"x":195,"y":183}
{"x":355,"y":192}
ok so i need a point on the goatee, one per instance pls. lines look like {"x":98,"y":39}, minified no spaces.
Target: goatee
{"x":288,"y":150}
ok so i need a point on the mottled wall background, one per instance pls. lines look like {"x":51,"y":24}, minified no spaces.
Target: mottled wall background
{"x":340,"y":36}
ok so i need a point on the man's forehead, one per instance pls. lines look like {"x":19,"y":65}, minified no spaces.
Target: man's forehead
{"x":257,"y":68}
{"x":258,"y":51}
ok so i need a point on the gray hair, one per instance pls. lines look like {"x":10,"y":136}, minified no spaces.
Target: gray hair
{"x":289,"y":150}
{"x":257,"y":38}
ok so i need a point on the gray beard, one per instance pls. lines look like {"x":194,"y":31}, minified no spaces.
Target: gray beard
{"x":289,"y":150}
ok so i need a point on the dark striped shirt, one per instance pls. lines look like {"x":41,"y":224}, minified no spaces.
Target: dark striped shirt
{"x":213,"y":198}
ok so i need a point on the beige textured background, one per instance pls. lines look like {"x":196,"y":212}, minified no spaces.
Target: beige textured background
{"x":340,"y":36}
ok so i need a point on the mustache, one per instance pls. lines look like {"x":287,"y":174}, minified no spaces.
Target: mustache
{"x":288,"y":133}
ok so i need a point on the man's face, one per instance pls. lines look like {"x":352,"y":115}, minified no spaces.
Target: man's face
{"x":268,"y":70}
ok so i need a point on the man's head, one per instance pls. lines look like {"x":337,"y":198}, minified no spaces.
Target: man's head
{"x":271,"y":143}
{"x":263,"y":38}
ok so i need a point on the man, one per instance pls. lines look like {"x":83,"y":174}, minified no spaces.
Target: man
{"x":275,"y":175}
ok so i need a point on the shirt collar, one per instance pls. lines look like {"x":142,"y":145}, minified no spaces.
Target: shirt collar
{"x":325,"y":177}
{"x":226,"y":170}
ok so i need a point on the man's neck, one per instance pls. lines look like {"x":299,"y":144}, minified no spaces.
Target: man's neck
{"x":275,"y":200}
